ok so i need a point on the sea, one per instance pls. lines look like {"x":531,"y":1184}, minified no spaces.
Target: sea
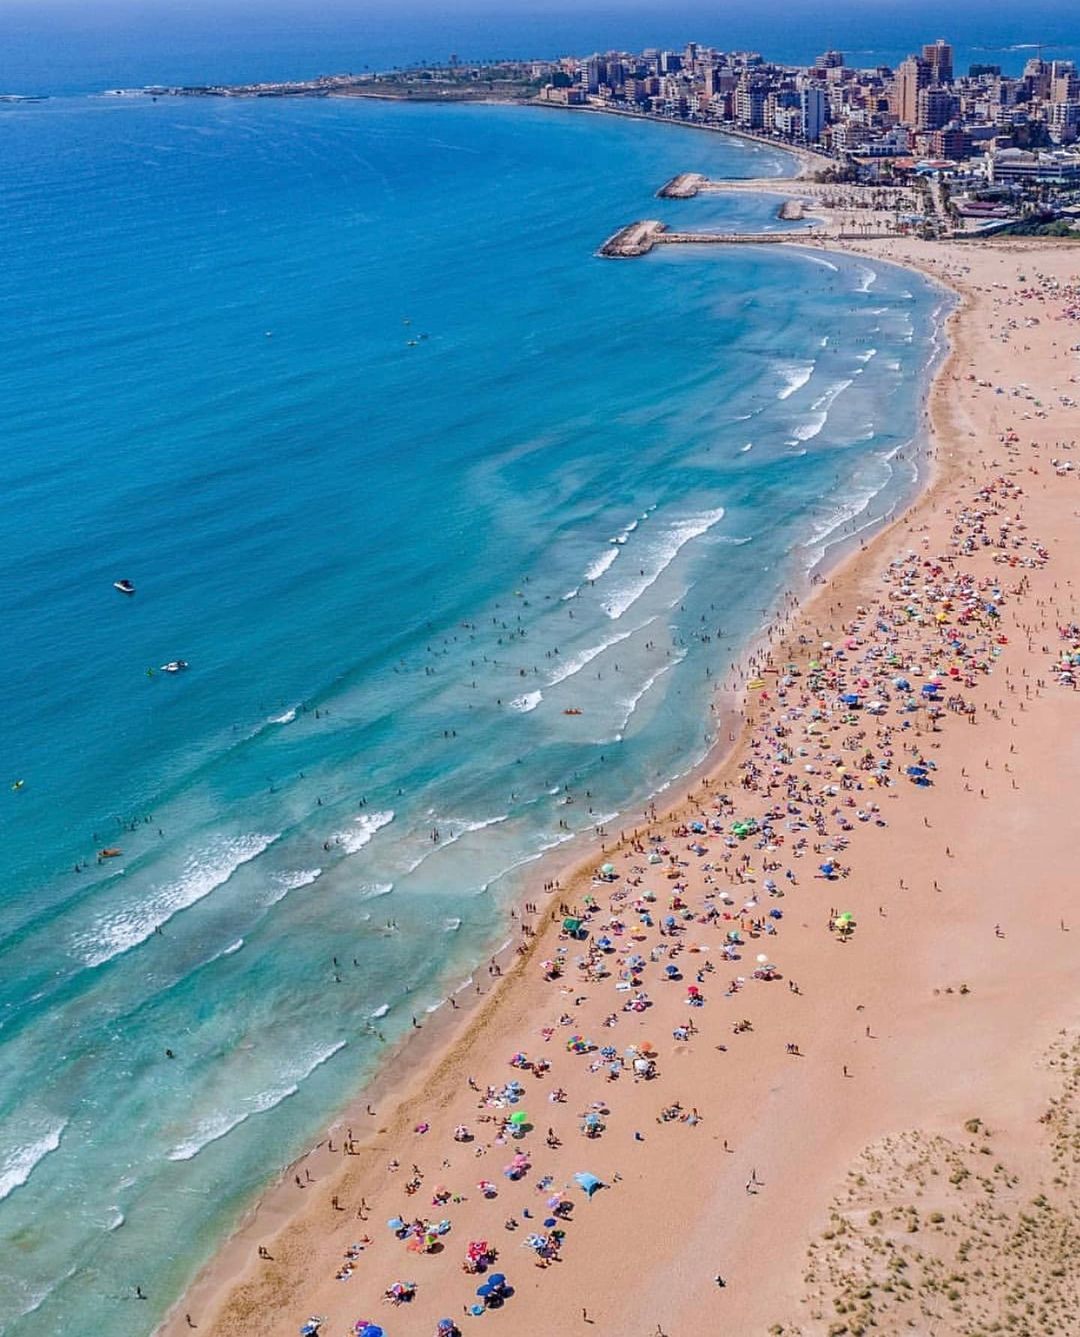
{"x":457,"y":527}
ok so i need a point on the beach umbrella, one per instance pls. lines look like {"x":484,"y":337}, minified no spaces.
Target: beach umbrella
{"x":395,"y":1223}
{"x":518,"y":1118}
{"x":497,"y":1279}
{"x":588,"y":1183}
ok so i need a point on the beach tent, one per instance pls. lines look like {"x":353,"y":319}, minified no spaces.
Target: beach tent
{"x":588,"y":1183}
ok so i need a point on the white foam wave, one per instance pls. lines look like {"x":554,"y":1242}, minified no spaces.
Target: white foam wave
{"x":353,"y":841}
{"x":663,"y":553}
{"x":379,"y":1012}
{"x":119,"y":930}
{"x":372,"y":891}
{"x":818,"y":260}
{"x":451,"y":925}
{"x":217,"y":1126}
{"x":794,"y":378}
{"x":807,"y":430}
{"x":19,"y":1163}
{"x":287,"y":718}
{"x":597,"y":568}
{"x":569,"y":667}
{"x":631,"y":703}
{"x":865,"y":357}
{"x":233,"y":947}
{"x":743,"y":449}
{"x":546,"y":845}
{"x":867,"y":278}
{"x":286,"y":882}
{"x":826,"y":401}
{"x":450,"y":832}
{"x":528,"y":701}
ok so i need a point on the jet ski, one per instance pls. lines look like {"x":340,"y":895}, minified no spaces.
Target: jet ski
{"x":124,"y":586}
{"x":174,"y":666}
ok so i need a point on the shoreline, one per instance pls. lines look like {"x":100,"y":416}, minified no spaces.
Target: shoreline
{"x":245,"y":1287}
{"x":420,"y":1063}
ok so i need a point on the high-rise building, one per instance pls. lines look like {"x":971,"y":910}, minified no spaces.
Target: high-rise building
{"x":829,"y":60}
{"x":935,"y":108}
{"x":814,"y":105}
{"x":750,"y":104}
{"x":938,"y":55}
{"x":912,"y":75}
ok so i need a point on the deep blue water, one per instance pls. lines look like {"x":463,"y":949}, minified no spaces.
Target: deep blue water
{"x":59,"y":46}
{"x":404,"y":472}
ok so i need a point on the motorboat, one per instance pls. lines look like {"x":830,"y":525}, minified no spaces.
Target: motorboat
{"x":124,"y":586}
{"x":174,"y":666}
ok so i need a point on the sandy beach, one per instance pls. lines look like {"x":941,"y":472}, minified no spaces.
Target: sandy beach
{"x":857,"y":1137}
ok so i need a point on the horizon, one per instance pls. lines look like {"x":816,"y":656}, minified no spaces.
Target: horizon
{"x":57,"y":47}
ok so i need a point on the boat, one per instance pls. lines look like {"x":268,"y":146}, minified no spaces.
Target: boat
{"x":109,"y":854}
{"x":124,"y":586}
{"x":174,"y":666}
{"x":572,"y":710}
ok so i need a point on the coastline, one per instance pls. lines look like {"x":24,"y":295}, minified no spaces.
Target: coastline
{"x":423,"y":1068}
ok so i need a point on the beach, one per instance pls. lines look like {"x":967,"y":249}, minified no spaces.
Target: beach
{"x":920,"y":926}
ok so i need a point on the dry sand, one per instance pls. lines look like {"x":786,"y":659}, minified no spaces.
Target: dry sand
{"x":804,"y":1173}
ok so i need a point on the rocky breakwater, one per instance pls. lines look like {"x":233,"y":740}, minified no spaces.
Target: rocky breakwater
{"x":682,"y":187}
{"x":634,"y":239}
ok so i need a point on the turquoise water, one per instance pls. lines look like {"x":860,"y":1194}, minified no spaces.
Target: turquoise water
{"x":404,"y":472}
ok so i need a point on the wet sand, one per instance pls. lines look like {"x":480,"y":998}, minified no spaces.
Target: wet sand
{"x":934,"y":1009}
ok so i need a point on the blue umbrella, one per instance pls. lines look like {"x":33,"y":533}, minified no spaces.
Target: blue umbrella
{"x":395,"y":1223}
{"x":589,"y":1183}
{"x":372,"y":1330}
{"x":485,"y":1290}
{"x":497,"y":1279}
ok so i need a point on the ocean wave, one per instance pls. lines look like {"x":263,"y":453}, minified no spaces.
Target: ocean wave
{"x":596,"y":568}
{"x":807,"y":430}
{"x":233,"y":947}
{"x":819,"y":260}
{"x":366,"y":826}
{"x":528,"y":701}
{"x":286,"y":718}
{"x":631,"y":703}
{"x":827,"y":400}
{"x":867,"y":278}
{"x":857,"y":504}
{"x":455,"y":831}
{"x":379,"y":1012}
{"x":19,"y":1163}
{"x":217,"y":1126}
{"x":794,"y":378}
{"x":865,"y":357}
{"x":569,"y":667}
{"x":120,"y":930}
{"x":624,"y":534}
{"x":663,"y":553}
{"x":372,"y":891}
{"x":545,"y":846}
